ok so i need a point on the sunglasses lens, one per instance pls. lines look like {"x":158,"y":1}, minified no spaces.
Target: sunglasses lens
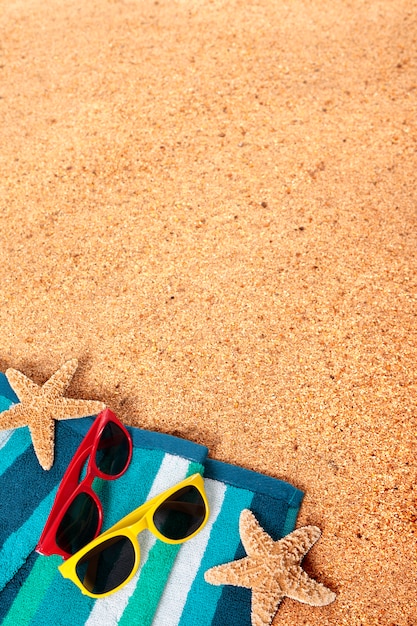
{"x":181,"y":514}
{"x":107,"y":565}
{"x":79,"y":524}
{"x":113,"y":450}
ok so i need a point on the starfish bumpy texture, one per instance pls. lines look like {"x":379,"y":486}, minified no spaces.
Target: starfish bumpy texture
{"x":40,"y":405}
{"x":272,"y":569}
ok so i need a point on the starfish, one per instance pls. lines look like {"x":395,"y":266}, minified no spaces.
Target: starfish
{"x":272,"y":569}
{"x":39,"y":406}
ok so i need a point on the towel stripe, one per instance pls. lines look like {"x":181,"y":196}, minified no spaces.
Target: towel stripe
{"x":5,"y":436}
{"x":71,"y":608}
{"x":188,"y":564}
{"x":152,"y":581}
{"x":290,"y":520}
{"x":155,"y":572}
{"x":222,"y":547}
{"x":14,"y":443}
{"x":8,"y":594}
{"x":34,"y":588}
{"x":5,"y":403}
{"x":15,"y":551}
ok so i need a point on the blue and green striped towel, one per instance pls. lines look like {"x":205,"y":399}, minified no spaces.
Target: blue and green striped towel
{"x":169,"y":588}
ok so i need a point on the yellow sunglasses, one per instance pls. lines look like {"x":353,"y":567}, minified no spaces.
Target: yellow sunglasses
{"x":109,"y":561}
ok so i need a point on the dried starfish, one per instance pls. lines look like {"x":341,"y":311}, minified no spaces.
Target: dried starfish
{"x":40,"y":405}
{"x":272,"y":569}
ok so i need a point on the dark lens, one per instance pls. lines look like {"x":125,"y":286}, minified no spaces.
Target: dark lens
{"x":181,"y":514}
{"x":79,"y":524}
{"x":107,"y":565}
{"x":113,"y":450}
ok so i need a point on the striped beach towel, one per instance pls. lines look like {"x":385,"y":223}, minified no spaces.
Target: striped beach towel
{"x":169,"y":588}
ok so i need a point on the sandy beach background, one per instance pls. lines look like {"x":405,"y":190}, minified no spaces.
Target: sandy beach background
{"x":212,"y":205}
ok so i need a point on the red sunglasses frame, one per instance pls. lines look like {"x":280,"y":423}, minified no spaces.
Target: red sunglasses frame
{"x":71,"y":486}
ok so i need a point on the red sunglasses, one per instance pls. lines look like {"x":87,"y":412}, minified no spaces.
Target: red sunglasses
{"x":76,"y":516}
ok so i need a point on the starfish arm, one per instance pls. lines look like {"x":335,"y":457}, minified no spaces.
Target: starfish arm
{"x":298,"y":543}
{"x":255,"y":540}
{"x":40,"y":406}
{"x":235,"y":573}
{"x":272,"y":570}
{"x":299,"y":586}
{"x":59,"y":382}
{"x":67,"y":408}
{"x":42,"y":433}
{"x":264,"y":607}
{"x":15,"y":417}
{"x":23,"y":387}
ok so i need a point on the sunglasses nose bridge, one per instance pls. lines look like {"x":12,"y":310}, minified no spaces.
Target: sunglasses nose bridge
{"x":86,"y":482}
{"x":142,"y":524}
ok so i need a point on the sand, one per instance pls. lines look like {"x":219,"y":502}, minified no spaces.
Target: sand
{"x":212,"y":205}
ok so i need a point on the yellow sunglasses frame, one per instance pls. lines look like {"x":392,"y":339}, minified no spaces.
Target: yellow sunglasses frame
{"x":131,"y":526}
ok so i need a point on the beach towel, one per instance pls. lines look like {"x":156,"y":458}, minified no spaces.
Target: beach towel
{"x":169,"y":588}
